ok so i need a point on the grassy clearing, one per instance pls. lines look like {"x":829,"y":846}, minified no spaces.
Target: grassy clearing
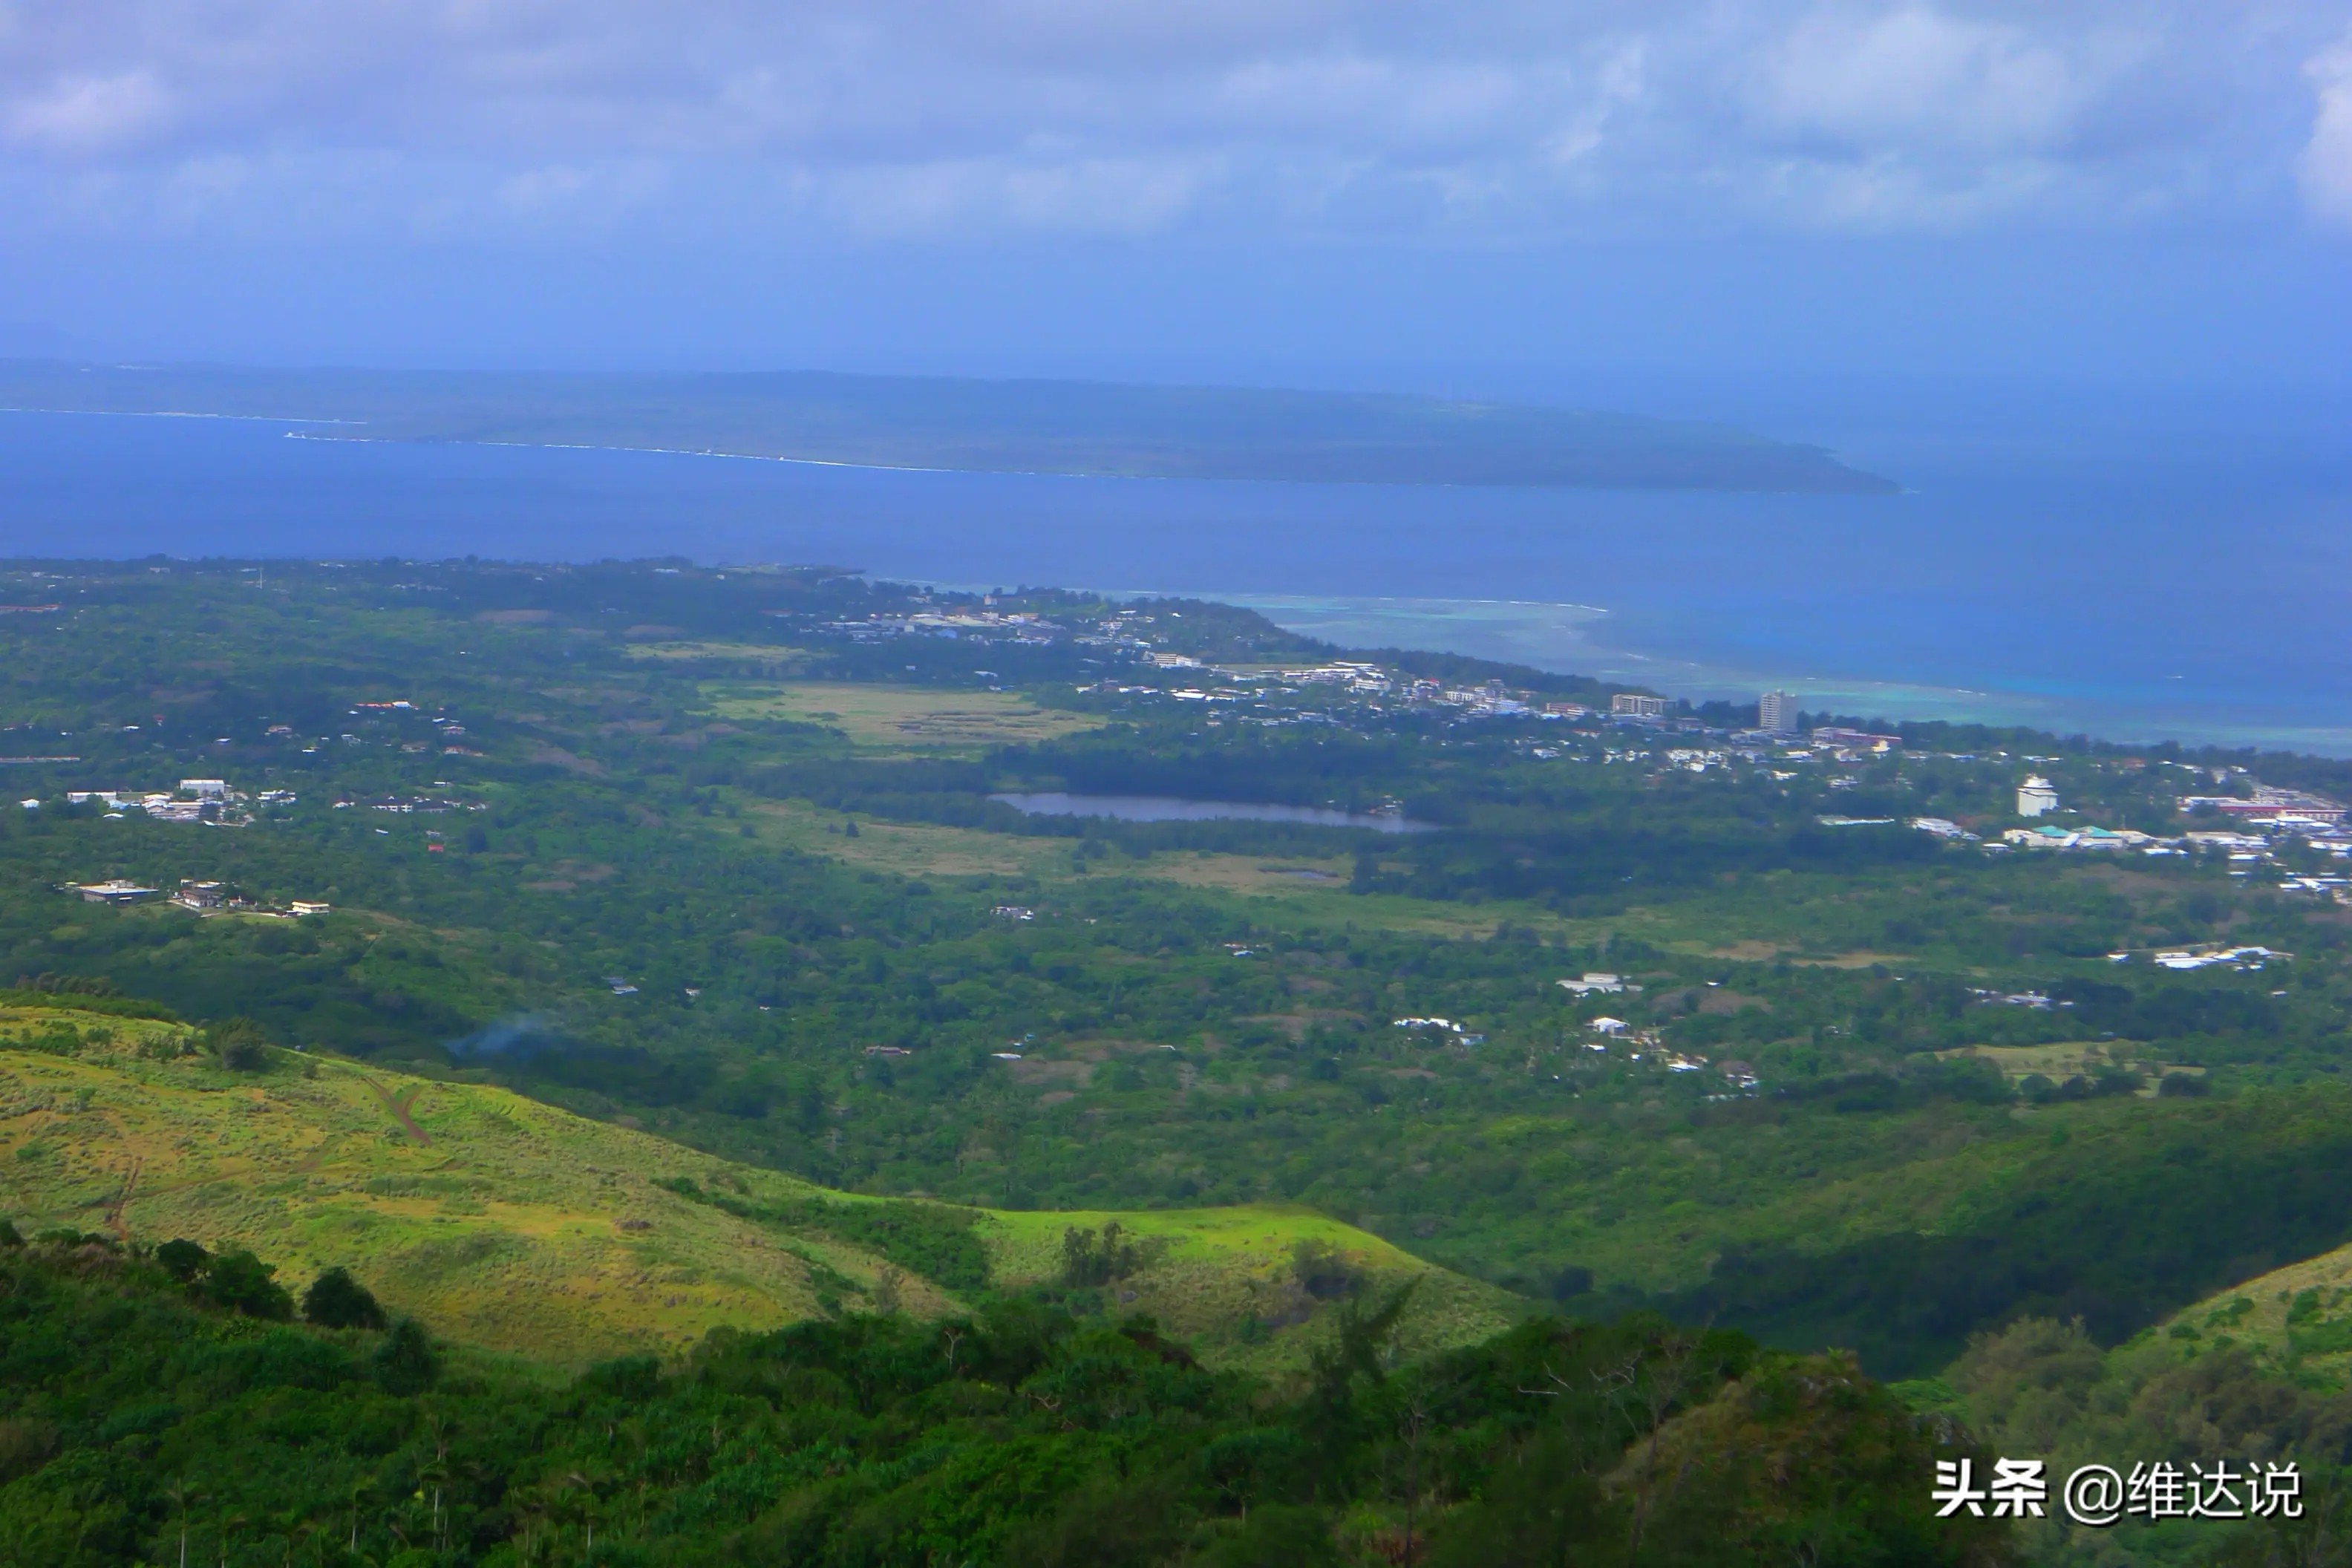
{"x":517,"y":1227}
{"x":1226,"y":1278}
{"x":897,"y":720}
{"x":2062,"y":1059}
{"x":779,"y":659}
{"x":905,"y":848}
{"x":2297,"y":1319}
{"x":499,"y":1221}
{"x":1313,"y":891}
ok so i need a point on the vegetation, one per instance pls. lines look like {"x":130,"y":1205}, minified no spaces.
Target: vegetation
{"x":518,"y":1226}
{"x":684,"y":977}
{"x":1020,"y":427}
{"x":136,"y":1419}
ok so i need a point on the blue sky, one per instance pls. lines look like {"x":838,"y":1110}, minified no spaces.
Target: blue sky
{"x":1479,"y":195}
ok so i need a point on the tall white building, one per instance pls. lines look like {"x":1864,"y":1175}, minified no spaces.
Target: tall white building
{"x":1777,"y":711}
{"x":2036,"y":796}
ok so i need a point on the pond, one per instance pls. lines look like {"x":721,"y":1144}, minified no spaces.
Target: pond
{"x":1174,"y":808}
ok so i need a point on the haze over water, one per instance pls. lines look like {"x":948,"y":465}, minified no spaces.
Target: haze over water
{"x":2141,"y":569}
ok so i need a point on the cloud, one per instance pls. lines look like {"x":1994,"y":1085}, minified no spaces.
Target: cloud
{"x":1493,"y":117}
{"x":2327,"y":163}
{"x":77,"y":114}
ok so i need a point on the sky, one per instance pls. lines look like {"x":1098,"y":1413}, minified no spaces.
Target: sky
{"x":1479,"y":196}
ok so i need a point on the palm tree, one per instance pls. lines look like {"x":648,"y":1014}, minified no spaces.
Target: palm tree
{"x":181,"y":1498}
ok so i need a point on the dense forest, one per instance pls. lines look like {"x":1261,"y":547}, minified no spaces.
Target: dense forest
{"x":152,"y":1405}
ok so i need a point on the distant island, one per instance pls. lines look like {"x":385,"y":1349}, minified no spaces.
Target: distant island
{"x":1072,"y":427}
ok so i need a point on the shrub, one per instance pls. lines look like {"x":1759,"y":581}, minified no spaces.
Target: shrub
{"x":239,"y":1045}
{"x":183,"y":1260}
{"x":336,"y":1300}
{"x":405,"y":1363}
{"x":242,"y":1283}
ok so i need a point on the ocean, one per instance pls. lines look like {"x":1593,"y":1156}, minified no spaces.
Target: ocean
{"x":2141,"y":567}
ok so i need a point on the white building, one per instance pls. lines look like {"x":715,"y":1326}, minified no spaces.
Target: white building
{"x":1776,"y":712}
{"x":1607,"y":984}
{"x":1639,"y":707}
{"x":2036,"y":796}
{"x":205,"y":789}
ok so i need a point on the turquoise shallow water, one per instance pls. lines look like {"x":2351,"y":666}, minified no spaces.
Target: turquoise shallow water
{"x":2174,"y":568}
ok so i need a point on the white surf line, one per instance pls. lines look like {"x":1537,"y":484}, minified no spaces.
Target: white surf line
{"x":690,"y":452}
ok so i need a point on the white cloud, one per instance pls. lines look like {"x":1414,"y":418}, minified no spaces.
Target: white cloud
{"x":1915,"y":76}
{"x":78,"y":114}
{"x":1505,"y":118}
{"x":2326,"y":163}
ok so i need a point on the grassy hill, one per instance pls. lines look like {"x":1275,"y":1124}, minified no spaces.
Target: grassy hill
{"x":509,"y":1224}
{"x":2297,"y":1319}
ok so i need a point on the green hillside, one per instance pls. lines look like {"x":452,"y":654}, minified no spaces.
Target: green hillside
{"x":506,"y":1223}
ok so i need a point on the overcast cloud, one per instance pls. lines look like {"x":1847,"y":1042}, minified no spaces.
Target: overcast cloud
{"x":1471,"y":120}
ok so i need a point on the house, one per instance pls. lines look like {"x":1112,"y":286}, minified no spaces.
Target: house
{"x":194,"y":895}
{"x":1611,"y":1027}
{"x":302,"y":907}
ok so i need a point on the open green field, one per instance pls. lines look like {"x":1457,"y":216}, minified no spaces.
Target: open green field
{"x":779,"y":659}
{"x":1310,"y":888}
{"x":1226,"y":1281}
{"x":512,"y":1224}
{"x":900,"y":719}
{"x":905,"y":848}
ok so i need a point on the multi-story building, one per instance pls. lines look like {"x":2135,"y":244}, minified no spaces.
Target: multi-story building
{"x":1777,"y":711}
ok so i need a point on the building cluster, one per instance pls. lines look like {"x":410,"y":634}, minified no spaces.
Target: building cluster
{"x":1443,"y":1026}
{"x":195,"y":800}
{"x":1018,"y":626}
{"x":410,"y":804}
{"x":2269,"y":807}
{"x":202,"y":896}
{"x":2239,"y":958}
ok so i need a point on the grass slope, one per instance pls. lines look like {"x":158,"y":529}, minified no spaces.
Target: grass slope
{"x":2297,"y":1320}
{"x":512,"y":1225}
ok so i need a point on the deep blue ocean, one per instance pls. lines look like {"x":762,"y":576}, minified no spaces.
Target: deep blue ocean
{"x":2137,"y":566}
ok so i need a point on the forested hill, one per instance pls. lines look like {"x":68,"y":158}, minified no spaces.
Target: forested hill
{"x":1005,"y":427}
{"x":157,"y":1409}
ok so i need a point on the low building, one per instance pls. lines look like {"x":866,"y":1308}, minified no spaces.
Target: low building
{"x":1836,"y":737}
{"x":301,"y":907}
{"x":205,"y":789}
{"x":113,"y":890}
{"x":1595,"y":984}
{"x":2266,"y":804}
{"x":2036,"y":796}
